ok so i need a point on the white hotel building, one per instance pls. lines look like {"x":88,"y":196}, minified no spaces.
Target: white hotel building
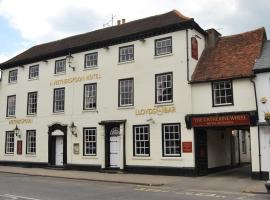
{"x":114,"y":98}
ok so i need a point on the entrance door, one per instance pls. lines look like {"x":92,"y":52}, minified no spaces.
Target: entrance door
{"x":59,"y":153}
{"x":115,"y":147}
{"x":201,"y":151}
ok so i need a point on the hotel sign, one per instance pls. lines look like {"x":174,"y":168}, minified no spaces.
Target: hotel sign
{"x":75,"y":79}
{"x":225,"y":120}
{"x":20,"y":121}
{"x":156,"y":110}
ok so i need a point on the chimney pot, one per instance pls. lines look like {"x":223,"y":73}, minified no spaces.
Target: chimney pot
{"x":118,"y":22}
{"x":123,"y":21}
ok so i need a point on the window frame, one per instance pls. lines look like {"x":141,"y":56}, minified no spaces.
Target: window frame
{"x":134,"y":140}
{"x":163,"y":140}
{"x":11,"y":71}
{"x":84,"y":142}
{"x":28,"y":95}
{"x":29,"y":142}
{"x":119,"y":93}
{"x":6,"y":143}
{"x":119,"y":55}
{"x":213,"y":94}
{"x":160,"y":39}
{"x":156,"y":88}
{"x":61,"y":72}
{"x":84,"y":86}
{"x":62,"y":111}
{"x":7,"y":109}
{"x":85,"y":61}
{"x":33,"y":77}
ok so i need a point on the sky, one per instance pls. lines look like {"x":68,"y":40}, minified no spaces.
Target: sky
{"x":25,"y":23}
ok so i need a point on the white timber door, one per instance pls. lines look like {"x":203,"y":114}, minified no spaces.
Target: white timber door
{"x":59,"y":151}
{"x":115,"y":148}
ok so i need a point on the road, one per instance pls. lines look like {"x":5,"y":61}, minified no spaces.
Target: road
{"x":21,"y":187}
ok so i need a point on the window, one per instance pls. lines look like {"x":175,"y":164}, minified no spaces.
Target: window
{"x":90,"y":96}
{"x":33,"y":72}
{"x":126,"y":53}
{"x":90,"y":141}
{"x":12,"y":78}
{"x":31,"y":142}
{"x":91,"y":60}
{"x":141,"y":140}
{"x":60,"y":66}
{"x":59,"y":100}
{"x":126,"y":92}
{"x":171,"y":139}
{"x":164,"y":88}
{"x":9,"y":142}
{"x":222,"y":93}
{"x":11,"y":105}
{"x":163,"y":46}
{"x":32,"y":103}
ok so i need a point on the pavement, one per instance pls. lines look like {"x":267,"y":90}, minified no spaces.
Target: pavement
{"x":234,"y":181}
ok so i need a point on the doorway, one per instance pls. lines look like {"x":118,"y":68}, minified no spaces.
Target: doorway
{"x":59,"y":151}
{"x":201,"y":158}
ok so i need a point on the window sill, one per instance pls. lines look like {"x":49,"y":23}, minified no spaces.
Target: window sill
{"x":12,"y":83}
{"x":90,"y":157}
{"x":220,"y":105}
{"x":30,"y":155}
{"x":90,"y":68}
{"x":126,"y":62}
{"x":164,"y":104}
{"x":90,"y":111}
{"x":175,"y":158}
{"x":11,"y":117}
{"x":9,"y":155}
{"x":163,"y":55}
{"x":60,"y":74}
{"x":33,"y":79}
{"x":126,"y":108}
{"x":58,"y":113}
{"x":33,"y":115}
{"x":141,"y":158}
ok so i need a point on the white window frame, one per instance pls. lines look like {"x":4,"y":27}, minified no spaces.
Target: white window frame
{"x":60,"y":66}
{"x":32,"y":99}
{"x":11,"y":106}
{"x":163,"y":46}
{"x":59,"y":100}
{"x":219,"y":87}
{"x":91,"y":60}
{"x":163,"y":85}
{"x":141,"y":136}
{"x":31,"y":142}
{"x":126,"y":92}
{"x":10,"y":142}
{"x":90,"y":141}
{"x":173,"y":137}
{"x":13,"y":76}
{"x":34,"y":72}
{"x":126,"y":53}
{"x":90,"y":96}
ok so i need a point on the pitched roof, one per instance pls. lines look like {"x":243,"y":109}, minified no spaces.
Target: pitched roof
{"x":130,"y":31}
{"x":262,"y":64}
{"x":232,"y":57}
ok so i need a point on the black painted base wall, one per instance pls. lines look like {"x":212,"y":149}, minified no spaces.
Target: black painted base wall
{"x":260,"y":176}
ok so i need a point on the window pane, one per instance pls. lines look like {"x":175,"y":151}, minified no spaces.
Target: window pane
{"x":90,"y":141}
{"x":164,"y":92}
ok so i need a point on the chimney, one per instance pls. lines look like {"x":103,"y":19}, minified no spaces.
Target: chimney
{"x":212,"y":38}
{"x":123,"y":21}
{"x":118,"y":22}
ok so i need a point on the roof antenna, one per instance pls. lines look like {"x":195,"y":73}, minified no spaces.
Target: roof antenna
{"x":110,"y":22}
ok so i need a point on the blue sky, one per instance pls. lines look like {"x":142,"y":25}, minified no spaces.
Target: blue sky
{"x":24,"y":23}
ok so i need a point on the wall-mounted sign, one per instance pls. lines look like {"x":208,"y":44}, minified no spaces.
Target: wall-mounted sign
{"x":20,"y":121}
{"x":226,"y":120}
{"x":156,"y":110}
{"x":187,"y":147}
{"x":19,"y":147}
{"x":75,"y":79}
{"x":76,"y":148}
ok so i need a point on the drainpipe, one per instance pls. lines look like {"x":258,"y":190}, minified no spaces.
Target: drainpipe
{"x":259,"y":136}
{"x":187,"y":55}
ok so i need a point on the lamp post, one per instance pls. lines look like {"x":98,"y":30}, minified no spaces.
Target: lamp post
{"x":17,"y":131}
{"x":73,"y":128}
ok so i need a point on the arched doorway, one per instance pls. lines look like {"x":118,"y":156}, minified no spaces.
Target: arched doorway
{"x":57,"y":145}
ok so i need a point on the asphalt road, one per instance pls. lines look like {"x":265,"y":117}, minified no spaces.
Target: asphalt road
{"x":20,"y":187}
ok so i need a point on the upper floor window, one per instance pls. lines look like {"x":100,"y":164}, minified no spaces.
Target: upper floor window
{"x":164,"y":88}
{"x":13,"y":75}
{"x":31,"y":142}
{"x":91,"y":60}
{"x":141,"y":135}
{"x":9,"y":142}
{"x":90,"y":141}
{"x":171,"y":139}
{"x":126,"y":92}
{"x":32,"y":103}
{"x":59,"y":100}
{"x":33,"y":72}
{"x":222,"y":93}
{"x":163,"y":46}
{"x":11,"y":106}
{"x":126,"y":53}
{"x":60,"y":66}
{"x":90,"y":96}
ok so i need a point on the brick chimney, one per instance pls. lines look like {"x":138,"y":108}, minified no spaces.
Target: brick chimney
{"x":212,"y":38}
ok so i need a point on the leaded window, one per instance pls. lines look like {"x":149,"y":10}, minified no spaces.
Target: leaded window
{"x":11,"y":105}
{"x":32,"y":103}
{"x":90,"y":141}
{"x":171,"y":139}
{"x":33,"y":72}
{"x":222,"y":93}
{"x":91,"y":60}
{"x":90,"y":96}
{"x":163,"y":46}
{"x":126,"y":53}
{"x":126,"y":92}
{"x":60,"y":66}
{"x":31,"y":142}
{"x":141,"y":134}
{"x":13,"y":75}
{"x":164,"y":88}
{"x":59,"y":100}
{"x":9,"y":142}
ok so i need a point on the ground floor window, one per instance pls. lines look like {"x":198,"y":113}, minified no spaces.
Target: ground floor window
{"x":171,"y":139}
{"x":90,"y":141}
{"x":9,"y":142}
{"x":141,"y":140}
{"x":31,"y":142}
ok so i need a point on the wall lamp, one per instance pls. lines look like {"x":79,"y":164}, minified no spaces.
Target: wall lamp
{"x":73,"y":128}
{"x":70,"y":59}
{"x":17,"y":131}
